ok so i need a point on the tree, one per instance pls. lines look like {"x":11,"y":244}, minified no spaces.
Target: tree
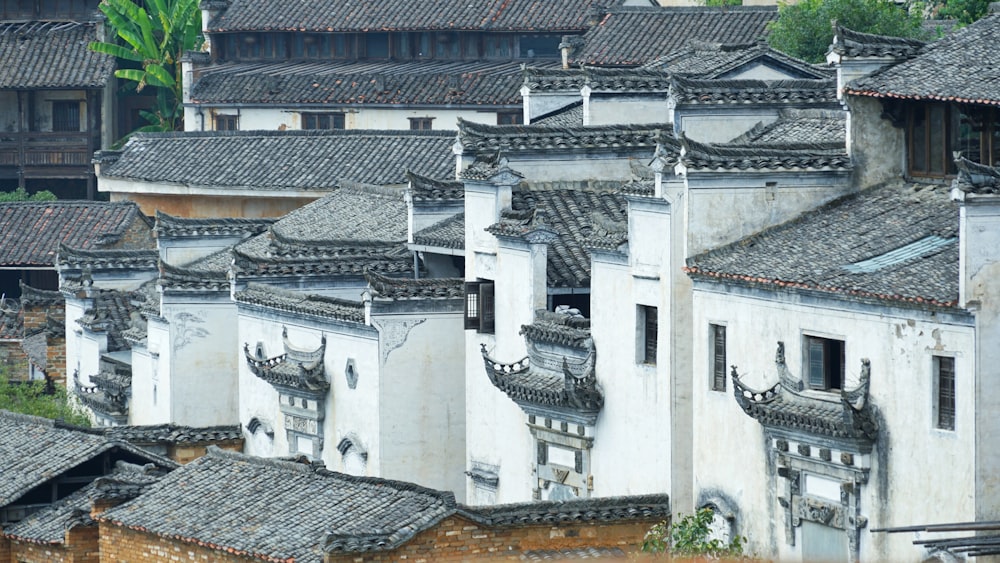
{"x":20,"y":194}
{"x":35,"y":398}
{"x":964,"y":11}
{"x":690,"y":537}
{"x":154,"y":35}
{"x":804,"y":29}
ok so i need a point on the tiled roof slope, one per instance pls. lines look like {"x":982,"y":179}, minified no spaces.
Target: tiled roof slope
{"x":295,"y":302}
{"x":191,"y":227}
{"x":608,"y":509}
{"x":369,"y":15}
{"x":423,"y":188}
{"x":317,"y":160}
{"x":570,"y":116}
{"x":173,"y":434}
{"x":634,"y":36}
{"x":407,"y":288}
{"x":49,"y":525}
{"x":823,"y":250}
{"x":356,"y":215}
{"x":110,"y":259}
{"x":31,"y":232}
{"x":326,"y":83}
{"x":51,"y":55}
{"x":963,"y":66}
{"x":576,"y":215}
{"x":447,"y":233}
{"x":852,"y":43}
{"x":974,"y":179}
{"x":280,"y":511}
{"x":113,"y":312}
{"x":34,"y":450}
{"x":209,"y":273}
{"x":477,"y":138}
{"x":703,"y":59}
{"x":830,"y":156}
{"x":799,"y":126}
{"x":798,"y":92}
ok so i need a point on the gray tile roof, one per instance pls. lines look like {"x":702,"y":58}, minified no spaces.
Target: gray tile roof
{"x":173,"y":434}
{"x":423,"y":188}
{"x":572,"y":554}
{"x":569,"y":116}
{"x":329,"y":84}
{"x":799,"y":126}
{"x":314,"y":305}
{"x":113,"y":312}
{"x":49,"y":525}
{"x":786,"y":156}
{"x":277,"y":510}
{"x":34,"y":450}
{"x":384,"y":287}
{"x":447,"y":233}
{"x":976,"y":179}
{"x":448,"y":15}
{"x":210,"y":273}
{"x":643,"y":80}
{"x":307,"y":160}
{"x":110,"y":259}
{"x":34,"y":297}
{"x":576,"y":214}
{"x":11,"y":324}
{"x":31,"y":232}
{"x":353,"y":228}
{"x":634,"y":36}
{"x":191,"y":227}
{"x":852,"y":43}
{"x":51,"y":55}
{"x":697,"y":91}
{"x":963,"y":66}
{"x":828,"y":250}
{"x":702,"y":59}
{"x":558,"y":328}
{"x":606,"y":509}
{"x":480,"y":139}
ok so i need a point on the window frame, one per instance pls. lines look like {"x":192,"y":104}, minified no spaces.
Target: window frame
{"x":944,"y":393}
{"x":68,"y":107}
{"x":418,"y":123}
{"x":312,"y":120}
{"x":510,"y":118}
{"x":949,"y":140}
{"x":718,"y":371}
{"x":830,"y":349}
{"x":647,"y":328}
{"x":480,"y":306}
{"x":232,"y":122}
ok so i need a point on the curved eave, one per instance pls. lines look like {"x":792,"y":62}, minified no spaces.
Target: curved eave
{"x":920,"y":97}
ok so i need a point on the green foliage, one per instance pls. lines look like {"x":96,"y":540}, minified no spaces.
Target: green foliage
{"x":804,"y":29}
{"x":716,"y":3}
{"x":689,"y":537}
{"x":20,"y":194}
{"x":30,"y":397}
{"x":153,"y":35}
{"x":964,"y":11}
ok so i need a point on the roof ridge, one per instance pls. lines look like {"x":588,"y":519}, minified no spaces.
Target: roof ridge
{"x":251,"y":133}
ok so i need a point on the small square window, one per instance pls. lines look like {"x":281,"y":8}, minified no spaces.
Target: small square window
{"x":647,"y":328}
{"x":227,"y":123}
{"x":944,"y":396}
{"x":66,"y":116}
{"x":510,"y":118}
{"x":824,"y":363}
{"x":421,"y":123}
{"x":322,"y":121}
{"x":479,"y":307}
{"x":717,"y":333}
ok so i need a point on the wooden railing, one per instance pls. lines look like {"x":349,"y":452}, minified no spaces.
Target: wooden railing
{"x":45,"y":149}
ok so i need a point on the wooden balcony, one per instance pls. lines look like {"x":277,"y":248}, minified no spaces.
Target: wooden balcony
{"x":46,"y":155}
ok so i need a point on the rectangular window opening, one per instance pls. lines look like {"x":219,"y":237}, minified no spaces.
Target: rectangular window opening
{"x":479,"y":307}
{"x":66,"y":115}
{"x":227,"y":123}
{"x":647,"y":322}
{"x":825,"y":363}
{"x":944,"y":399}
{"x":323,"y":121}
{"x":718,"y":343}
{"x":421,"y":123}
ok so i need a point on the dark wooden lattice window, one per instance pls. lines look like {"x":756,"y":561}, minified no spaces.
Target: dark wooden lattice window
{"x":322,"y":120}
{"x":648,"y":329}
{"x":480,"y":314}
{"x":227,"y":123}
{"x":421,"y":123}
{"x":944,"y":372}
{"x":718,"y":335}
{"x":66,"y":116}
{"x":825,"y":363}
{"x":510,"y":118}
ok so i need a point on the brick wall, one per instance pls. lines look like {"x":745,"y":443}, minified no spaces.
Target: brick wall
{"x":80,"y":546}
{"x":139,"y":235}
{"x":4,"y":550}
{"x":186,"y":453}
{"x":119,"y":545}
